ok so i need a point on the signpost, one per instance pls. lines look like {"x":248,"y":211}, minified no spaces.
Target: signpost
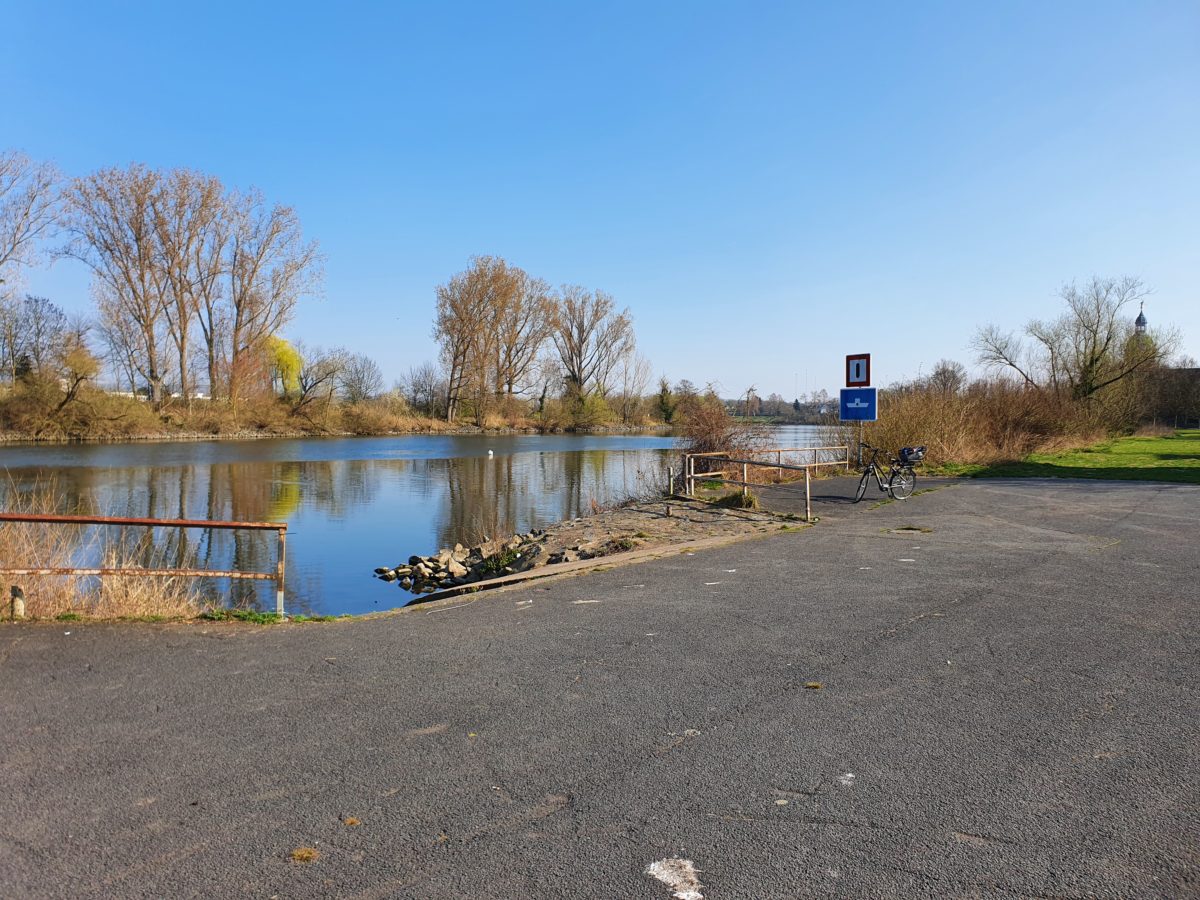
{"x":859,"y":402}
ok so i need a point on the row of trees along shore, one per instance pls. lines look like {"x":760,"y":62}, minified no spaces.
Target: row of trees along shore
{"x":194,"y":282}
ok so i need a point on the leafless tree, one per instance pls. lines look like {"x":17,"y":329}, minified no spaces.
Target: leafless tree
{"x":269,"y":267}
{"x":110,"y":220}
{"x":523,"y":320}
{"x":591,"y":337}
{"x":42,"y":327}
{"x":634,"y":377}
{"x":28,"y":209}
{"x":464,"y":328}
{"x":1089,"y":347}
{"x":359,"y":379}
{"x":948,"y":376}
{"x":425,"y":389}
{"x":319,"y":373}
{"x":185,"y":209}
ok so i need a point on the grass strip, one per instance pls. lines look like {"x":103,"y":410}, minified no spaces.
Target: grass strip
{"x":1174,"y":458}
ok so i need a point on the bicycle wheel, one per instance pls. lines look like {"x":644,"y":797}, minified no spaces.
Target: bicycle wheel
{"x":901,"y":483}
{"x":862,"y":486}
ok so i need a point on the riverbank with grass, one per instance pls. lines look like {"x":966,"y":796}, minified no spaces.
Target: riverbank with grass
{"x":1173,"y":457}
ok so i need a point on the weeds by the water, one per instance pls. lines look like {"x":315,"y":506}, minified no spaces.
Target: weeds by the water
{"x":737,"y":500}
{"x":46,"y":545}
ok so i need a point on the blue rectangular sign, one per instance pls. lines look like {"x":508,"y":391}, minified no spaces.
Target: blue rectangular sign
{"x":859,"y":405}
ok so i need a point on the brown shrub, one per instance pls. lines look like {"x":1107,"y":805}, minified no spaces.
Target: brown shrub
{"x":42,"y":545}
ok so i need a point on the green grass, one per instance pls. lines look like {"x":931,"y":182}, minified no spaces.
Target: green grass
{"x":240,"y":615}
{"x":1173,"y":457}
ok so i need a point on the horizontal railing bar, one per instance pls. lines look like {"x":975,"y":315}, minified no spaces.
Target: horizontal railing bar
{"x":128,"y":520}
{"x":775,"y":450}
{"x":775,"y":465}
{"x":188,"y":573}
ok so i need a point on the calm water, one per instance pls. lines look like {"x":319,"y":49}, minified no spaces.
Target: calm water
{"x":351,"y":504}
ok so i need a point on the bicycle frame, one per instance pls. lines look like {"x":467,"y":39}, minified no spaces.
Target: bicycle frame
{"x":874,"y":469}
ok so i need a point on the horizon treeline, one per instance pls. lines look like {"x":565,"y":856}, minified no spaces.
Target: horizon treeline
{"x":194,"y":281}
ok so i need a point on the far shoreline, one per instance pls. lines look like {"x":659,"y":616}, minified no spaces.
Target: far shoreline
{"x":11,"y":439}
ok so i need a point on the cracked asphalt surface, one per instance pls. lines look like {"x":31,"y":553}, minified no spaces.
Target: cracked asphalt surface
{"x":1007,"y":707}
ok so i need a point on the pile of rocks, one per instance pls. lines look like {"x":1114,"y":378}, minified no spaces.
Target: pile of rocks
{"x":451,"y":567}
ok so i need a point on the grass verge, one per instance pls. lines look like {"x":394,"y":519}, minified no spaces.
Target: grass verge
{"x":1174,"y":458}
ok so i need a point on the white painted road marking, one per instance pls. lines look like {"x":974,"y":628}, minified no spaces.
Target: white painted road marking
{"x":679,"y":875}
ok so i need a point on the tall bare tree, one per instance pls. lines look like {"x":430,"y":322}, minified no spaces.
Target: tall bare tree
{"x":28,"y":209}
{"x":523,"y":323}
{"x":1091,"y":346}
{"x":109,"y":217}
{"x":42,"y":328}
{"x":464,"y":328}
{"x":634,"y":376}
{"x":269,"y":266}
{"x":186,"y":208}
{"x":591,"y":338}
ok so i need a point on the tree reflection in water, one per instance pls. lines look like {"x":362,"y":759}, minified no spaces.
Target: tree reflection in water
{"x":345,"y":516}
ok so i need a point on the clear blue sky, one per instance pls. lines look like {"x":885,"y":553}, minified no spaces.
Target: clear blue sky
{"x":766,"y":186}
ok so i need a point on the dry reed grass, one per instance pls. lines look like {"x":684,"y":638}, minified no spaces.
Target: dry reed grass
{"x":987,"y":423}
{"x":41,"y":545}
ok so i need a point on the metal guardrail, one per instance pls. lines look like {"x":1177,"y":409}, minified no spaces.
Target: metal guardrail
{"x":690,"y":474}
{"x":277,"y":576}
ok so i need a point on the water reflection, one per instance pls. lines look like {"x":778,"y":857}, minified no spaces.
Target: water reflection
{"x":345,"y":515}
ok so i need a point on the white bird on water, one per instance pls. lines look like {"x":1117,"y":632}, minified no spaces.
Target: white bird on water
{"x":490,"y":454}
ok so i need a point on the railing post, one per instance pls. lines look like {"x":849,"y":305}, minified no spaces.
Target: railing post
{"x":779,"y":464}
{"x":670,"y":480}
{"x":807,"y":496}
{"x":690,"y":462}
{"x":745,"y":478}
{"x":279,"y":572}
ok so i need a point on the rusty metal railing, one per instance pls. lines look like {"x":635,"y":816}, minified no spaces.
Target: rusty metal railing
{"x":277,"y":576}
{"x":690,"y":474}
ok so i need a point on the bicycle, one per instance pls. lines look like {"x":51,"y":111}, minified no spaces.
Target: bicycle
{"x":901,"y":478}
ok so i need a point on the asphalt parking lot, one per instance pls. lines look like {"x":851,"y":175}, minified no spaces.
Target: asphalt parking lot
{"x":987,"y":690}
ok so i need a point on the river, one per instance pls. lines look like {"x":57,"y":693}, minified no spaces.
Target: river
{"x":351,"y":504}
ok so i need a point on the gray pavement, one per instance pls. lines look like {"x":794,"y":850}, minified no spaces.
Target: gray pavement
{"x":1007,"y":709}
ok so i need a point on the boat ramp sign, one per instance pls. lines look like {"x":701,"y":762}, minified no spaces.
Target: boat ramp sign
{"x":859,"y":405}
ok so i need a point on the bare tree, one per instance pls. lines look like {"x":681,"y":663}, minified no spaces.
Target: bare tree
{"x":464,"y":329}
{"x":948,"y":376}
{"x":185,"y":208}
{"x":591,"y":337}
{"x":28,"y":209}
{"x":359,"y":379}
{"x":523,"y":321}
{"x":42,"y":327}
{"x":320,"y":371}
{"x":634,"y":377}
{"x":1089,"y":347}
{"x":109,"y":217}
{"x":425,"y":389}
{"x":269,"y":267}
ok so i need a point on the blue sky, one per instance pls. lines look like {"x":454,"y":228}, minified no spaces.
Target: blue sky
{"x":767,"y":187}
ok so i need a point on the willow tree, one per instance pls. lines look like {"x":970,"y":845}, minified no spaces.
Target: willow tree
{"x":269,"y":265}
